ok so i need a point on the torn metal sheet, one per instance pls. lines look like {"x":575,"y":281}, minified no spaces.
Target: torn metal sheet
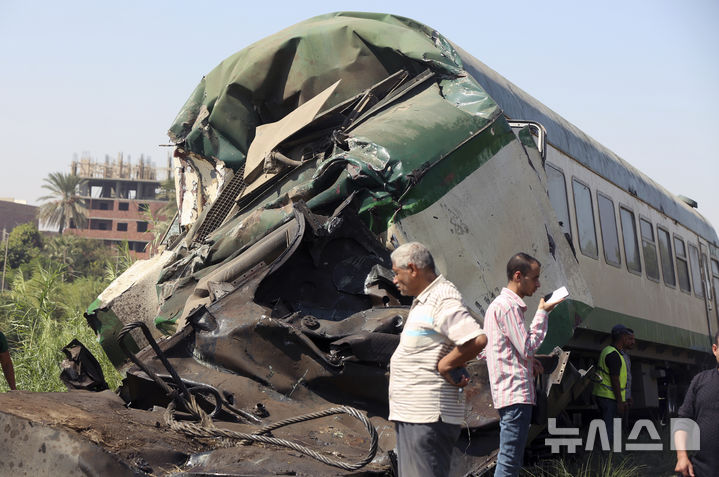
{"x":197,"y":184}
{"x":269,"y":136}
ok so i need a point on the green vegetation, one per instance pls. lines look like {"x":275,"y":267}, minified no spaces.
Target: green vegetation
{"x":167,"y":192}
{"x":591,"y":465}
{"x":63,"y":205}
{"x":161,"y":221}
{"x":52,"y":281}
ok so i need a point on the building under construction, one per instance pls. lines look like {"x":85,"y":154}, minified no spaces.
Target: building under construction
{"x":117,"y":194}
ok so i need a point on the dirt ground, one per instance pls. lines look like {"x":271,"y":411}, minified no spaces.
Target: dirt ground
{"x":75,"y":432}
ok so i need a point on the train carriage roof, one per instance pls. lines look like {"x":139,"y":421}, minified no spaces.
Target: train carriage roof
{"x":519,"y":105}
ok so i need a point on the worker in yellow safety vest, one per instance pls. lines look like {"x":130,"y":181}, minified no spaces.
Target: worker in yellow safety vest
{"x":610,"y":392}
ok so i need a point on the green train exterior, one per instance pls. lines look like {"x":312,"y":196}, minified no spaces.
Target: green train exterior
{"x":427,"y":144}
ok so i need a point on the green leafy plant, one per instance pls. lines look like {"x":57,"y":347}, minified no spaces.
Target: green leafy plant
{"x":121,"y":261}
{"x":159,"y":224}
{"x":44,"y":313}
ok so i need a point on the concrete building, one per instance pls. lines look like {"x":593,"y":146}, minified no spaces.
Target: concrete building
{"x":15,"y":212}
{"x":116,"y":193}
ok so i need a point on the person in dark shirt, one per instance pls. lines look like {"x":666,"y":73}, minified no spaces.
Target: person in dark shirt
{"x":6,"y":362}
{"x":701,"y":404}
{"x":629,"y":345}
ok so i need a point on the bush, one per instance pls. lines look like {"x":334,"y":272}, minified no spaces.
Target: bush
{"x":23,"y":243}
{"x":43,"y":314}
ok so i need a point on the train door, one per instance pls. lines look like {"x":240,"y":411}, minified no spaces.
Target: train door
{"x":712,"y":266}
{"x":709,"y":268}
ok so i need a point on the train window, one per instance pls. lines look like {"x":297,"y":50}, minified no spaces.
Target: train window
{"x":696,"y":271}
{"x":608,"y":226}
{"x":558,"y":197}
{"x":629,"y":236}
{"x":682,"y":264}
{"x":665,"y":251}
{"x":649,"y":249}
{"x":585,"y":219}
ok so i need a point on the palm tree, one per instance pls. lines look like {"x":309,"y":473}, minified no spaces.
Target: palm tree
{"x":64,"y":204}
{"x":167,"y":192}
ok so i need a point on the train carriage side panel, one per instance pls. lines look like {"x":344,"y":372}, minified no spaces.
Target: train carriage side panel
{"x":498,"y":210}
{"x":660,"y":313}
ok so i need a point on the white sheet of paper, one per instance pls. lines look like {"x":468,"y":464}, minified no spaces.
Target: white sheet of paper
{"x":556,"y":296}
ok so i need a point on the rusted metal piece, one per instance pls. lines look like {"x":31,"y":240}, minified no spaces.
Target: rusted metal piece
{"x":562,"y":384}
{"x":186,"y":394}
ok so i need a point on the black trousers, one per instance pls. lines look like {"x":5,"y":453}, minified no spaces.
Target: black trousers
{"x":425,"y":449}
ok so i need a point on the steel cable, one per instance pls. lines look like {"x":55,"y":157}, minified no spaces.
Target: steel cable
{"x":208,"y":429}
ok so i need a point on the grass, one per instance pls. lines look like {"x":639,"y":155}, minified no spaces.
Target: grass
{"x":40,"y":316}
{"x":591,"y":465}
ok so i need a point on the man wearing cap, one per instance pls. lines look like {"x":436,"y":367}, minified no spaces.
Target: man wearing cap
{"x":610,"y":392}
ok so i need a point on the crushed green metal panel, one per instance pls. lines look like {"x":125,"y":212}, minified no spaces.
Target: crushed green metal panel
{"x":106,"y":326}
{"x":269,"y":79}
{"x":94,"y":306}
{"x":397,"y":161}
{"x":166,"y":325}
{"x":571,"y":314}
{"x":456,"y":167}
{"x":526,"y":138}
{"x":565,"y":317}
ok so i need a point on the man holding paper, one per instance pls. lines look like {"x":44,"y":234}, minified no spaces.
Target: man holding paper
{"x":510,"y":358}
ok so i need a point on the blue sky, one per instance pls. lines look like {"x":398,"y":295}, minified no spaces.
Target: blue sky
{"x":640,"y":77}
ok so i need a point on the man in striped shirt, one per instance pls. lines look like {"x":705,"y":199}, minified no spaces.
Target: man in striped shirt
{"x":510,"y":359}
{"x":439,"y":337}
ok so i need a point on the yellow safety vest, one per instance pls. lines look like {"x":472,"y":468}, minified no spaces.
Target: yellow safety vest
{"x":604,"y":387}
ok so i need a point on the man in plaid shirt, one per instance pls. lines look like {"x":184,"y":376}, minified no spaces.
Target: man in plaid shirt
{"x":510,"y":359}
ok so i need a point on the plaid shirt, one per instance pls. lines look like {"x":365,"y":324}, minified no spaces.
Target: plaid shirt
{"x":510,"y":349}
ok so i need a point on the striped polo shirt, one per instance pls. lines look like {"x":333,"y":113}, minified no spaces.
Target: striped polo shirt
{"x":437,"y":322}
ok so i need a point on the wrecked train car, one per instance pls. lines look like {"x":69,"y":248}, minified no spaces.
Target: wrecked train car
{"x":300,"y":163}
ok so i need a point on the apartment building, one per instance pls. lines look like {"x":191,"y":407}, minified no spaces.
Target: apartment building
{"x":117,"y":194}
